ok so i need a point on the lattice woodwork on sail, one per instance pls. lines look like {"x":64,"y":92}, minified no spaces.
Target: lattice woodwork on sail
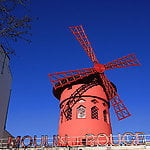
{"x":64,"y":78}
{"x":109,"y":89}
{"x":119,"y":108}
{"x":118,"y":105}
{"x":125,"y":61}
{"x":80,"y":35}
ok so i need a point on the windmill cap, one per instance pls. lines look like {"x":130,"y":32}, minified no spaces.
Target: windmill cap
{"x":57,"y":92}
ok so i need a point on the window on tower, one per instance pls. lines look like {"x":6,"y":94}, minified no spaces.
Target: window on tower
{"x":81,"y":112}
{"x":69,"y":114}
{"x":81,"y":101}
{"x":105,"y":115}
{"x":94,"y":101}
{"x":94,"y":112}
{"x":61,"y":117}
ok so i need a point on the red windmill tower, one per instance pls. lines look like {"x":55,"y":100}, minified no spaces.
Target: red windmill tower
{"x":85,"y":95}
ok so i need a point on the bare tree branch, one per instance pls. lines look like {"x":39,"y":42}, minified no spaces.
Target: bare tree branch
{"x":12,"y":26}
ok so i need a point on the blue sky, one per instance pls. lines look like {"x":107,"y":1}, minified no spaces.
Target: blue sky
{"x":115,"y":29}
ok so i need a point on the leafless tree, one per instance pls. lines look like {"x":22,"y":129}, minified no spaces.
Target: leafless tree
{"x":14,"y":24}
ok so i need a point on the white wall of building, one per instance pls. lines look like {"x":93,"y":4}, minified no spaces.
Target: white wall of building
{"x":5,"y":88}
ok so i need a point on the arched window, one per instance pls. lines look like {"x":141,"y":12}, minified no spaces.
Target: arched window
{"x":105,"y":115}
{"x":81,"y":112}
{"x":61,"y":117}
{"x":94,"y":112}
{"x":81,"y":101}
{"x":69,"y":114}
{"x":94,"y":101}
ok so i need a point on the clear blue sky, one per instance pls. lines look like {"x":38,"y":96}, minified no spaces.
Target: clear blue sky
{"x":115,"y":28}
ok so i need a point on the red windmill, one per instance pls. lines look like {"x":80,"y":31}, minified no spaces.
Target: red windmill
{"x":85,"y":94}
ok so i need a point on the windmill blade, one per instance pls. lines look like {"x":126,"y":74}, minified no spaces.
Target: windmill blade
{"x":80,"y":35}
{"x":118,"y":105}
{"x":64,"y":78}
{"x":125,"y":61}
{"x":108,"y":87}
{"x":119,"y":108}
